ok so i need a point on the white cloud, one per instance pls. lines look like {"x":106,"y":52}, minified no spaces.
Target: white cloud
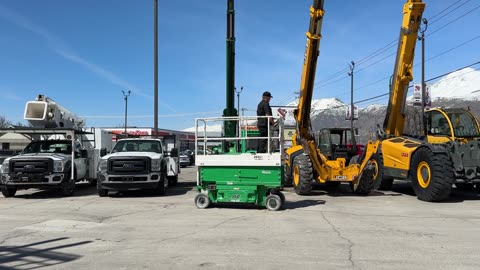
{"x":60,"y":47}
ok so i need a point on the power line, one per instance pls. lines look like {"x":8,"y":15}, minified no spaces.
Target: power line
{"x":454,"y":20}
{"x":431,"y":19}
{"x":392,"y":44}
{"x":387,"y":94}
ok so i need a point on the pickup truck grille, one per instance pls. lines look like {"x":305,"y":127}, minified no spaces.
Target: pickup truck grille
{"x":31,"y":166}
{"x":129,"y":165}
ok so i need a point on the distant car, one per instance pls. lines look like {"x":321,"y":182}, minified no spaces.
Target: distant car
{"x":184,"y":160}
{"x":191,"y":155}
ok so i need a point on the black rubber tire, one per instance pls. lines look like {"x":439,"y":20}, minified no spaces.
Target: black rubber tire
{"x":172,"y":180}
{"x":436,"y":172}
{"x":101,"y":192}
{"x":161,"y":187}
{"x":67,"y":187}
{"x":287,"y":177}
{"x":202,"y":201}
{"x":366,"y":183}
{"x":273,"y":202}
{"x":303,"y":165}
{"x":381,"y":182}
{"x":9,"y":191}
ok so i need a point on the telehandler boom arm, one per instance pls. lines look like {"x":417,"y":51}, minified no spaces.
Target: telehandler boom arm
{"x":402,"y":74}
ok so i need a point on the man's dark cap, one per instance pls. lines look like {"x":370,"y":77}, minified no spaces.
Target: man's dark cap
{"x":267,"y":94}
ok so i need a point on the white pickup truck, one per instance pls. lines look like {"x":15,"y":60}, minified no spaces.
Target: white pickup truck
{"x":137,"y":163}
{"x":45,"y":164}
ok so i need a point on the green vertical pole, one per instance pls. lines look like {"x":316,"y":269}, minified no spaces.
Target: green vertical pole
{"x":230,"y":126}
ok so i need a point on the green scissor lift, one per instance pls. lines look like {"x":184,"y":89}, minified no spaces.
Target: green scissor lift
{"x":238,"y":177}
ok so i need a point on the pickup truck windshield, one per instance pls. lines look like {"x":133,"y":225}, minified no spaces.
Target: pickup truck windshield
{"x":138,"y":146}
{"x":64,"y":147}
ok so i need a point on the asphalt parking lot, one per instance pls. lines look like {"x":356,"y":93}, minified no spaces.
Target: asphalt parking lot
{"x":326,"y":230}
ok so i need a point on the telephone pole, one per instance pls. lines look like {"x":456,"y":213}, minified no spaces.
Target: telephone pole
{"x":422,"y":38}
{"x":352,"y":66}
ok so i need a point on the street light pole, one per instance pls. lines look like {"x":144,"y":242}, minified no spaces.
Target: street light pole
{"x":155,"y":68}
{"x":352,"y":66}
{"x":238,"y":98}
{"x":125,"y":96}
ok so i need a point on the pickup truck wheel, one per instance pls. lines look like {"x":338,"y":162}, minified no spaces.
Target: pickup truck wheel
{"x":68,"y":185}
{"x":162,"y":185}
{"x":9,"y":191}
{"x":68,"y":188}
{"x":172,"y":180}
{"x":102,"y":192}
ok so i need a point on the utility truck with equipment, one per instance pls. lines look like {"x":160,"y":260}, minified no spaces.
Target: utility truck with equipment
{"x":61,"y":152}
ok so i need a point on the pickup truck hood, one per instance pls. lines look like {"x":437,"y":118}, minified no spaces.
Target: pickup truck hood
{"x":151,"y":155}
{"x":54,"y":156}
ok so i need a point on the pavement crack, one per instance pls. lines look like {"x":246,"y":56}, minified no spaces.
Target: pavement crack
{"x":199,"y":231}
{"x":101,"y":220}
{"x":350,"y":244}
{"x":15,"y":236}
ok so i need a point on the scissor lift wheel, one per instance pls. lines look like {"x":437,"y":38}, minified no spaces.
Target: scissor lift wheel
{"x":273,"y":202}
{"x":202,"y":201}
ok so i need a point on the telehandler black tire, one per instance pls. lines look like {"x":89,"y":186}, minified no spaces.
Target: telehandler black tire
{"x":287,"y":177}
{"x":302,"y":174}
{"x":381,"y":182}
{"x":432,"y":175}
{"x":366,"y":182}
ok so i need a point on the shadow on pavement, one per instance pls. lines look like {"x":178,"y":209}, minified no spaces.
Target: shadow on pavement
{"x":180,"y":189}
{"x":31,"y":256}
{"x":301,"y":204}
{"x":81,"y":189}
{"x":457,"y":195}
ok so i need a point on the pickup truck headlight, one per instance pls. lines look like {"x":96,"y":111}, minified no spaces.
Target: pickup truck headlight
{"x":57,"y":166}
{"x":156,"y":165}
{"x":5,"y":167}
{"x":102,"y":166}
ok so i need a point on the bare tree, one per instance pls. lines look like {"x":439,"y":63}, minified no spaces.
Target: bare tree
{"x":4,"y":123}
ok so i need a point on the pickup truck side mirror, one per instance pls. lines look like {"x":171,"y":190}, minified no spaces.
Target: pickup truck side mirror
{"x":103,"y":152}
{"x":174,"y":152}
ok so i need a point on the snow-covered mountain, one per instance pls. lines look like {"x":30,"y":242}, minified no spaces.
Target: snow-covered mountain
{"x":462,"y":84}
{"x":458,"y":89}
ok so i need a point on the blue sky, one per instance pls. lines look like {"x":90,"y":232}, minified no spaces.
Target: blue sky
{"x":84,"y":53}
